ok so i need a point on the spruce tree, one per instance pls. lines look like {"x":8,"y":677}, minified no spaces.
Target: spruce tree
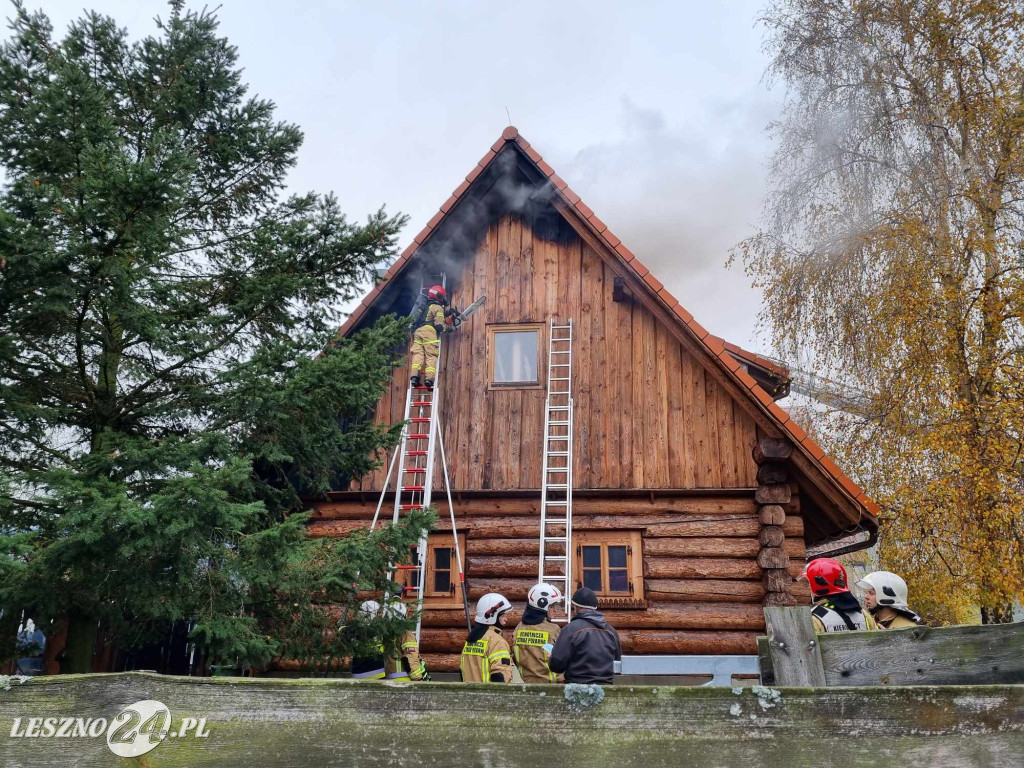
{"x":169,"y":390}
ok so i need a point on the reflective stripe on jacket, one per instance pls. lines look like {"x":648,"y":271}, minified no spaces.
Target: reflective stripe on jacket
{"x":407,"y":664}
{"x":827,"y":617}
{"x":490,"y":655}
{"x":434,"y":318}
{"x":531,"y":658}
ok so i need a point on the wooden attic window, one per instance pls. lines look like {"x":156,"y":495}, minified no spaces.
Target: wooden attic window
{"x":611,"y":564}
{"x":513,"y":356}
{"x":441,"y":589}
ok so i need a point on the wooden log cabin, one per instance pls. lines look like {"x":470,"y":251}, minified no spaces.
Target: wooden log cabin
{"x":696,"y":496}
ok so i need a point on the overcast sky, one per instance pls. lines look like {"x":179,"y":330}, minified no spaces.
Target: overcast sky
{"x":653,"y":112}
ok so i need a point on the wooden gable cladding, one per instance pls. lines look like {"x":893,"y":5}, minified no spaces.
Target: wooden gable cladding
{"x":648,"y":414}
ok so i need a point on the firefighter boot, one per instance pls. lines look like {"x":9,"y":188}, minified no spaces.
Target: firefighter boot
{"x":415,"y":380}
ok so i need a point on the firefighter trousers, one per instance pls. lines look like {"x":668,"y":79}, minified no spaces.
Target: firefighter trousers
{"x":423,"y":352}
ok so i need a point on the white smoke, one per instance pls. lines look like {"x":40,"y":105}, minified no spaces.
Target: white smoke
{"x":680,"y":196}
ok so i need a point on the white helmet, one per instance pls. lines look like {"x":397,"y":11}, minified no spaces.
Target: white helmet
{"x":542,"y":596}
{"x":398,"y":609}
{"x":890,"y":589}
{"x":490,"y":607}
{"x":370,"y":609}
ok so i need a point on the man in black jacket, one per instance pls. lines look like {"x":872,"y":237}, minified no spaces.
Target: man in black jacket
{"x":587,"y":649}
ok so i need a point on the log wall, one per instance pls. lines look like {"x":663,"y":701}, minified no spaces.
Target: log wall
{"x":703,"y":585}
{"x":647,"y":414}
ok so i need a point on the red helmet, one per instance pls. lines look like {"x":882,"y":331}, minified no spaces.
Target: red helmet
{"x":437,"y":293}
{"x":826,"y":577}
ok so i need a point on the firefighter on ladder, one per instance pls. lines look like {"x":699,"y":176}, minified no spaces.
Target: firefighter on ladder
{"x":429,"y":322}
{"x":406,"y":665}
{"x":536,"y":635}
{"x":486,"y":657}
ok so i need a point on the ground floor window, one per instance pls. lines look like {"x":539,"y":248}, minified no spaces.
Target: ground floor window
{"x":441,"y":588}
{"x":611,"y":564}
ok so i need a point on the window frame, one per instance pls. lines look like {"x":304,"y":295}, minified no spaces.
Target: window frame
{"x":495,"y":328}
{"x":432,"y":599}
{"x":633,"y":541}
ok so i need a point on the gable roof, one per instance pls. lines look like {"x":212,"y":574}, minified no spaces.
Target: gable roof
{"x":861,"y":511}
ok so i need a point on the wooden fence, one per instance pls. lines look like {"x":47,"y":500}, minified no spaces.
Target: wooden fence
{"x":793,"y":654}
{"x":284,"y":722}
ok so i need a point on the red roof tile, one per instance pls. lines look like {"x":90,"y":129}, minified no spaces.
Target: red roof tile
{"x":766,"y":400}
{"x":729,"y":361}
{"x":796,"y":431}
{"x":720,"y":351}
{"x":812,"y":448}
{"x":610,"y":238}
{"x":682,"y":314}
{"x":714,"y":345}
{"x":746,"y":379}
{"x":777,"y":411}
{"x":584,"y":209}
{"x":638,"y":267}
{"x":698,"y":329}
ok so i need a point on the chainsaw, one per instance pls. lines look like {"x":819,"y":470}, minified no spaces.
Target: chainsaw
{"x":455,"y":318}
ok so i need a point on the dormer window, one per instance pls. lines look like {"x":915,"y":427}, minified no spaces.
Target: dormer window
{"x":514,"y":352}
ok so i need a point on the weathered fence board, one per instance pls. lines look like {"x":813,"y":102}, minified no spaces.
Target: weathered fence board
{"x":967,"y":655}
{"x":286,"y":723}
{"x":992,"y":654}
{"x":793,"y":646}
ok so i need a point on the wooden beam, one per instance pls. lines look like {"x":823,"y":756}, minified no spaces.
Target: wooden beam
{"x":370,"y":724}
{"x":793,"y":645}
{"x":985,"y":655}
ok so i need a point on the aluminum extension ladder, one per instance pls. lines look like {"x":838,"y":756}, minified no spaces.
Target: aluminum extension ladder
{"x":556,"y":473}
{"x":415,"y":480}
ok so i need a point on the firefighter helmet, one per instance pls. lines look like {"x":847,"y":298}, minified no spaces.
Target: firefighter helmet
{"x":890,"y":589}
{"x":826,"y":577}
{"x":437,"y":293}
{"x":398,"y":609}
{"x":490,"y":607}
{"x":542,"y":596}
{"x":370,"y":609}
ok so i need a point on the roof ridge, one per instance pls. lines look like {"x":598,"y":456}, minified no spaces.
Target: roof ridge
{"x":718,"y":348}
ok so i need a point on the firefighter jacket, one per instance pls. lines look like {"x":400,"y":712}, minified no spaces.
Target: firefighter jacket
{"x":407,"y":664}
{"x":434,"y":318}
{"x":840,"y":613}
{"x":486,"y":657}
{"x":528,"y":646}
{"x":369,"y":668}
{"x":889,"y":618}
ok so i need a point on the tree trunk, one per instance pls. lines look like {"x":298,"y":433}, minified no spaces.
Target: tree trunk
{"x":997,"y":614}
{"x":81,"y":643}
